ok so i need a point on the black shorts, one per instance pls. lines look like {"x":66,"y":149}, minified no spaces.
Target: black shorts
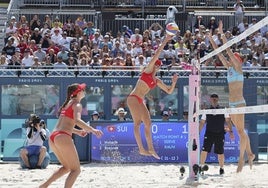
{"x":217,"y":140}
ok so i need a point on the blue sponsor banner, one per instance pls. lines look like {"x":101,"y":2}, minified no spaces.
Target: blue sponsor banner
{"x":170,"y":141}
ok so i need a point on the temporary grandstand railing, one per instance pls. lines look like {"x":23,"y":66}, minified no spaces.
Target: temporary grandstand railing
{"x":135,"y":3}
{"x":115,"y":71}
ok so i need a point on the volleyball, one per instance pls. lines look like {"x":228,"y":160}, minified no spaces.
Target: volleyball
{"x":172,"y":28}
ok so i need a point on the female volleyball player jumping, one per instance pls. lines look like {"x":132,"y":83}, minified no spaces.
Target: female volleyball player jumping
{"x":138,"y":109}
{"x":235,"y":81}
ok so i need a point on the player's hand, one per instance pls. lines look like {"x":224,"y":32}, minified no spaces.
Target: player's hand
{"x":97,"y":132}
{"x":220,"y":26}
{"x":83,"y":133}
{"x":168,"y":37}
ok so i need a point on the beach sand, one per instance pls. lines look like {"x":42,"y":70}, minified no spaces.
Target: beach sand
{"x":142,"y":175}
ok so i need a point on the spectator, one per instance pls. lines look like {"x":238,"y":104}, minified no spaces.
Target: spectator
{"x":14,"y":63}
{"x":23,"y":20}
{"x":137,"y":50}
{"x":47,"y":21}
{"x":243,"y":25}
{"x":129,"y":49}
{"x":60,"y":64}
{"x":10,"y":30}
{"x":36,"y":36}
{"x":90,"y":30}
{"x":170,"y":56}
{"x":57,"y":23}
{"x":51,"y":56}
{"x":171,"y":11}
{"x":22,"y":46}
{"x":36,"y":135}
{"x":199,"y":22}
{"x":56,"y":28}
{"x":212,"y":25}
{"x":106,"y":42}
{"x":129,"y":61}
{"x":83,"y":40}
{"x":35,"y":23}
{"x":63,"y":54}
{"x":36,"y":64}
{"x":117,"y":50}
{"x":96,"y":50}
{"x":255,"y":64}
{"x":72,"y":62}
{"x":80,"y":21}
{"x":9,"y":49}
{"x":56,"y":36}
{"x":27,"y":60}
{"x":32,"y":46}
{"x":45,"y":42}
{"x":165,"y":116}
{"x":40,"y":54}
{"x":95,"y":116}
{"x":136,"y":37}
{"x":3,"y":62}
{"x":95,"y":63}
{"x":126,"y":32}
{"x":239,"y":9}
{"x":121,"y":113}
{"x":22,"y":29}
{"x":155,"y":30}
{"x":97,"y":38}
{"x":140,"y":61}
{"x":184,"y":116}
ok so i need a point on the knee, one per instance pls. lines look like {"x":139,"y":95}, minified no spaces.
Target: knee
{"x":241,"y":131}
{"x":43,"y":149}
{"x":23,"y":152}
{"x":76,"y":170}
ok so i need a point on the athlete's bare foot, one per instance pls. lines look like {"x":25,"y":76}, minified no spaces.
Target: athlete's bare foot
{"x":250,"y":160}
{"x":240,"y":165}
{"x":145,"y":153}
{"x":154,"y":154}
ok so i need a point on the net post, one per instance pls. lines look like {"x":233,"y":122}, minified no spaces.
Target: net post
{"x":193,"y":122}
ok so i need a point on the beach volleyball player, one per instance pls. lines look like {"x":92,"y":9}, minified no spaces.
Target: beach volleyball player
{"x":138,"y":109}
{"x":235,"y":81}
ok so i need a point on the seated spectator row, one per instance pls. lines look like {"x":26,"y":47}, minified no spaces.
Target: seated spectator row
{"x":68,"y":43}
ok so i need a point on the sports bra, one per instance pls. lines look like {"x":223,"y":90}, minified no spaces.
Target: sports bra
{"x":68,"y":112}
{"x":234,"y":76}
{"x":148,"y":79}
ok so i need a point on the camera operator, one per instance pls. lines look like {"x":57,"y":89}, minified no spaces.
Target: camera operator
{"x":36,"y":135}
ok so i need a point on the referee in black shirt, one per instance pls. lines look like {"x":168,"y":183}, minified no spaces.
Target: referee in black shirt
{"x":215,"y":131}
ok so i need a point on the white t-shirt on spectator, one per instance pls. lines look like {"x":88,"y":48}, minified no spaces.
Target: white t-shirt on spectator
{"x":27,"y":61}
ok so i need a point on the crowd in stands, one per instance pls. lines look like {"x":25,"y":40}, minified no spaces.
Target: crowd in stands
{"x":68,"y":44}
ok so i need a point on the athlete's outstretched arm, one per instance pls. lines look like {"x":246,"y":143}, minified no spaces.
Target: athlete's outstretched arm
{"x":158,"y":51}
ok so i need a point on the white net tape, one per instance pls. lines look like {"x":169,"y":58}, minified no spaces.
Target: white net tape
{"x":239,"y":110}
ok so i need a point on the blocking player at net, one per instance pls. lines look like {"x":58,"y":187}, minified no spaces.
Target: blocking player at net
{"x":235,"y":81}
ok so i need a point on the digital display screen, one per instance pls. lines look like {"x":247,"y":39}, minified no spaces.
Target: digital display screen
{"x":170,"y":141}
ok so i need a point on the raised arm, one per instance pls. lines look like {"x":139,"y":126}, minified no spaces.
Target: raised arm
{"x":158,"y":51}
{"x":220,"y":55}
{"x":233,"y":60}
